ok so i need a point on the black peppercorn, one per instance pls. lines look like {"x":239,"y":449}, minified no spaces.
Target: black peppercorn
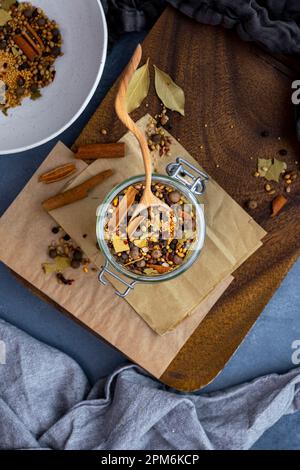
{"x":173,"y":244}
{"x":28,"y":12}
{"x":20,"y":81}
{"x":124,"y":257}
{"x":34,"y":88}
{"x":55,"y":32}
{"x":78,"y":255}
{"x":75,"y":264}
{"x":156,"y":138}
{"x":41,"y":21}
{"x":55,"y":51}
{"x":24,"y":66}
{"x":52,"y":253}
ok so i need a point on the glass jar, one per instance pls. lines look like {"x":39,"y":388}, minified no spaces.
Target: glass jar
{"x":183,"y":177}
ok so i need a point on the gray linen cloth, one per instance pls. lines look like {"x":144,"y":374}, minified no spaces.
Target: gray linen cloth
{"x":271,"y":23}
{"x":47,"y":403}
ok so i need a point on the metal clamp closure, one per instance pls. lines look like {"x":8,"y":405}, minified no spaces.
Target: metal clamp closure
{"x":102,"y":278}
{"x":196,"y":181}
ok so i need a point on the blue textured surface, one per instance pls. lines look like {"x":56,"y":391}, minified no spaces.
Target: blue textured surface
{"x":267,"y":348}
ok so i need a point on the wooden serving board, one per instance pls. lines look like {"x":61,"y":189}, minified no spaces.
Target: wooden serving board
{"x":234,"y":91}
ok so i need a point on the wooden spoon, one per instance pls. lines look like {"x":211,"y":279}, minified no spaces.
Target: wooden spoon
{"x":148,"y":199}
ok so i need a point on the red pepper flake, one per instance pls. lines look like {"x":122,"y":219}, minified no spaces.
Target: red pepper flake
{"x":61,"y":279}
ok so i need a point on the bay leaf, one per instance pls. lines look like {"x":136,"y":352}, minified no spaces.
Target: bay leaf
{"x":36,"y":95}
{"x":263,"y":166}
{"x":150,"y":272}
{"x":4,"y":17}
{"x":119,"y":244}
{"x":61,"y":263}
{"x":141,"y":243}
{"x":278,"y":167}
{"x":15,"y":51}
{"x":138,"y":88}
{"x":171,"y":95}
{"x":271,"y":169}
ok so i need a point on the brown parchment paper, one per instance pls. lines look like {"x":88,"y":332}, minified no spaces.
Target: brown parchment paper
{"x":232,"y":236}
{"x":25,"y":233}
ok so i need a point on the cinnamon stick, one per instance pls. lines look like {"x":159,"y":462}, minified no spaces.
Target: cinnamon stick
{"x":58,"y":174}
{"x":95,"y":151}
{"x":77,"y":193}
{"x":30,"y":43}
{"x":25,"y":44}
{"x":123,"y":208}
{"x":35,"y":36}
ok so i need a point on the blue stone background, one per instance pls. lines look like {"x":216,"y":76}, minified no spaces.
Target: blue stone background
{"x":266,"y":349}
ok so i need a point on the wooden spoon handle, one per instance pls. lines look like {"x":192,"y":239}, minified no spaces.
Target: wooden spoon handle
{"x":121,"y":110}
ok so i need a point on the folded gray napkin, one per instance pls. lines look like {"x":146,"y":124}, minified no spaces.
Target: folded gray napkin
{"x":47,"y":403}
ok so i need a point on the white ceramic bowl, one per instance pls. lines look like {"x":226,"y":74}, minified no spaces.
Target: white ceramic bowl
{"x":84,"y":31}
